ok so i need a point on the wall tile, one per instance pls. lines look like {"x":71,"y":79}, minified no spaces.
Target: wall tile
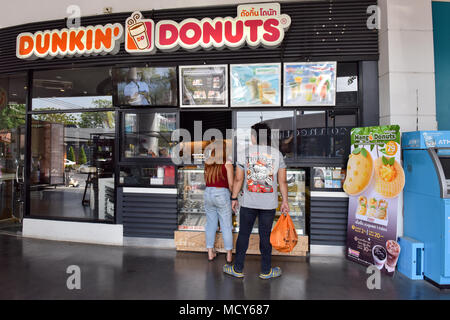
{"x":409,"y":15}
{"x":411,"y":51}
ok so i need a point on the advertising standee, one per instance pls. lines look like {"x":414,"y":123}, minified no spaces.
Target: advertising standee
{"x":375,"y":179}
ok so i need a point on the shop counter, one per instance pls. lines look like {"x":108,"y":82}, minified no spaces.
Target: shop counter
{"x":192,"y":217}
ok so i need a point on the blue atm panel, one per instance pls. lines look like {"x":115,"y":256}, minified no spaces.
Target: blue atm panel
{"x":410,"y":261}
{"x":426,"y":159}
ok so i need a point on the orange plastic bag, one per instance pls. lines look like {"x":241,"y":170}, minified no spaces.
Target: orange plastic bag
{"x":284,"y":236}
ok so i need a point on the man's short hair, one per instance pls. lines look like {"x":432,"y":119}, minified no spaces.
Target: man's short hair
{"x":261,"y":131}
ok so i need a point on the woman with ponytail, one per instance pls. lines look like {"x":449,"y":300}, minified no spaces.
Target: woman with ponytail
{"x":219,"y":175}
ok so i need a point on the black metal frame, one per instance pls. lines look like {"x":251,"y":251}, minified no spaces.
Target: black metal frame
{"x":119,"y":131}
{"x":28,"y":131}
{"x":120,"y":134}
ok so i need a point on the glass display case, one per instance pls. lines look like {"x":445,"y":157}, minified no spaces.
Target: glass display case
{"x":296,"y":198}
{"x":191,"y":209}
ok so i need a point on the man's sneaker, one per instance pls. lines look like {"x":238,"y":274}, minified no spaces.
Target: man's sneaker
{"x":229,"y":269}
{"x":274,"y":272}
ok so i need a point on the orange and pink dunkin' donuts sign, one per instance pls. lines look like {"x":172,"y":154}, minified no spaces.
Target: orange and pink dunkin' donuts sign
{"x":255,"y":25}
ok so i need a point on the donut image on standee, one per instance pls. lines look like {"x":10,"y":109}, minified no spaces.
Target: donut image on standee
{"x":362,"y":206}
{"x":389,"y":177}
{"x":373,"y":204}
{"x":359,"y":172}
{"x":382,"y":210}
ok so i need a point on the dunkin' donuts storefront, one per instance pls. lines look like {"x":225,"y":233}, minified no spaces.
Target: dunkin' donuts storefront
{"x":88,"y":153}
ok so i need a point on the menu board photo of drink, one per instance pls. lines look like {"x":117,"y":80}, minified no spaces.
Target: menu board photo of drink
{"x":310,"y":84}
{"x":155,"y":86}
{"x":255,"y":85}
{"x":375,"y":179}
{"x":204,"y":86}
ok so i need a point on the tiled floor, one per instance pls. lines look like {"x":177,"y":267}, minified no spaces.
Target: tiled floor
{"x":36,"y":269}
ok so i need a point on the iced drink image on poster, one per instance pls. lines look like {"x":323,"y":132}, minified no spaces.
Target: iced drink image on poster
{"x":379,"y":256}
{"x":310,"y":83}
{"x":255,"y":85}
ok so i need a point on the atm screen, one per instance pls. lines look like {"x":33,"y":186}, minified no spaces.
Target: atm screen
{"x":445,"y":162}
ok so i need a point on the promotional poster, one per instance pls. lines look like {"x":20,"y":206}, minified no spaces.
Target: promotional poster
{"x":375,"y":179}
{"x":310,"y":84}
{"x":203,"y":86}
{"x":145,"y":86}
{"x":255,"y":85}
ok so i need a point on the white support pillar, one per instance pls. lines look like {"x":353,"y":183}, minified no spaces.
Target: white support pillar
{"x":406,"y":66}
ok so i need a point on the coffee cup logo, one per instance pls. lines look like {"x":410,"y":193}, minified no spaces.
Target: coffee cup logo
{"x":139,"y":34}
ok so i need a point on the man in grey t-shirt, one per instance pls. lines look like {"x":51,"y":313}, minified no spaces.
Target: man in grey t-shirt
{"x":260,"y":169}
{"x":260,"y":165}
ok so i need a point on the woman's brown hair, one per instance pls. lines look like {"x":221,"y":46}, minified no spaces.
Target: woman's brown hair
{"x":214,"y":163}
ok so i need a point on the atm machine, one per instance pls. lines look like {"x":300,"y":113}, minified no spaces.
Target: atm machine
{"x":426,"y":161}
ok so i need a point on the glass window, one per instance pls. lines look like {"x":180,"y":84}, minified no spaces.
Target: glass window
{"x":147,"y":175}
{"x":148,"y":135}
{"x":145,"y":86}
{"x":13,"y":93}
{"x":72,"y":89}
{"x":324,"y":134}
{"x":340,"y":124}
{"x":72,"y":165}
{"x":276,"y":120}
{"x":311,"y":134}
{"x":13,"y":96}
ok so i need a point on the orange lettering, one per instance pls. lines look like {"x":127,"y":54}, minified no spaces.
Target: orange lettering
{"x":59,"y":42}
{"x":89,"y":35}
{"x":42,"y":48}
{"x":26,"y":44}
{"x":103,"y":38}
{"x":76,"y":40}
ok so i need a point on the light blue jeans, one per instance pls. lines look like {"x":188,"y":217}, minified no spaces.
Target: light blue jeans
{"x":218,"y":209}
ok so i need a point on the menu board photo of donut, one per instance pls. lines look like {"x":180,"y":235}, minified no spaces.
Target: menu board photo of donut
{"x":374,"y":181}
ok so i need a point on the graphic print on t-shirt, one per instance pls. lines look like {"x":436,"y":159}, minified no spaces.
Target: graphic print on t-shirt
{"x":260,"y":173}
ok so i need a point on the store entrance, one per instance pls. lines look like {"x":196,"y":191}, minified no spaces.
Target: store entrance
{"x":191,"y":182}
{"x":72,"y":146}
